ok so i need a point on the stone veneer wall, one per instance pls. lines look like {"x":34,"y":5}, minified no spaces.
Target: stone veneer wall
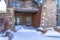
{"x":2,"y":16}
{"x":48,"y":16}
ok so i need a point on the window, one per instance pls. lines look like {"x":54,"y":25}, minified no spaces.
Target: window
{"x":15,"y":5}
{"x":58,"y":3}
{"x":38,"y":1}
{"x":58,"y":19}
{"x":28,"y":20}
{"x":58,"y":13}
{"x":17,"y":20}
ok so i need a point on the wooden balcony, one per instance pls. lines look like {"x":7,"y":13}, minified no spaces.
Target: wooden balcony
{"x":24,"y":6}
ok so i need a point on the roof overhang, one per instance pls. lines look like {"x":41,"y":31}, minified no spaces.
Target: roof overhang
{"x":26,"y":9}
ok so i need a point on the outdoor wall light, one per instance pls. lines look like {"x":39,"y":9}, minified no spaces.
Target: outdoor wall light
{"x":45,"y":5}
{"x":44,"y":14}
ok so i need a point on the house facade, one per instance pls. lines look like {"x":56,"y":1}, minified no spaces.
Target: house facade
{"x":6,"y":17}
{"x":26,"y":12}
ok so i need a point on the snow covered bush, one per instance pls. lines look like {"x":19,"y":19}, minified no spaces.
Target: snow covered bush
{"x":9,"y":33}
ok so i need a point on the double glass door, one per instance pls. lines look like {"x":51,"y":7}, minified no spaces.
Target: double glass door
{"x":17,"y":20}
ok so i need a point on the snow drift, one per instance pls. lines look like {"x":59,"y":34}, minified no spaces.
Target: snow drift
{"x":52,"y":32}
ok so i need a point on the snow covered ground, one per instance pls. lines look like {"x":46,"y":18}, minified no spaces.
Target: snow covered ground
{"x":52,"y":33}
{"x":3,"y":38}
{"x":31,"y":34}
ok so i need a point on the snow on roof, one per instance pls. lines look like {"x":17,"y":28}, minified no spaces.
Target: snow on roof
{"x":2,"y":6}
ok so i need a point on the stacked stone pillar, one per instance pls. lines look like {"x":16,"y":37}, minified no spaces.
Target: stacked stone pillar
{"x":48,"y":16}
{"x":2,"y":16}
{"x":9,"y":16}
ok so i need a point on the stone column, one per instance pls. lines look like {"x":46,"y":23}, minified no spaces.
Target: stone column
{"x":48,"y":16}
{"x":10,"y":18}
{"x":2,"y":16}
